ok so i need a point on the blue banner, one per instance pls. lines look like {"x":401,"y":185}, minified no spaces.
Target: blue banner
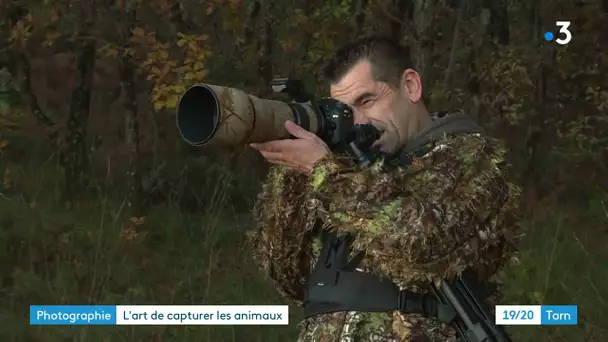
{"x":559,"y":315}
{"x":72,"y":315}
{"x":159,"y":315}
{"x":250,"y":314}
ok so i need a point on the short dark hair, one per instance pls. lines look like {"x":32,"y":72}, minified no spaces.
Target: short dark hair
{"x":388,"y":58}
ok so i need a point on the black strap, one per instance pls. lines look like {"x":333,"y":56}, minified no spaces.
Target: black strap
{"x":335,"y":285}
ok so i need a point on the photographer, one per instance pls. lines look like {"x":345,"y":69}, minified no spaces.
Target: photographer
{"x":435,"y":203}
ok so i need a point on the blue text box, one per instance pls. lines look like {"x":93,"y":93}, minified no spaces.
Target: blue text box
{"x":559,"y":315}
{"x":72,"y":315}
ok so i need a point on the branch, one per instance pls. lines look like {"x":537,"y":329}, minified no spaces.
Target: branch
{"x":26,"y":87}
{"x":448,"y":71}
{"x":359,"y":15}
{"x":387,"y":13}
{"x":250,"y":24}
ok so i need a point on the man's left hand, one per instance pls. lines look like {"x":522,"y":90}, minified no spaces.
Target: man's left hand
{"x":301,"y":153}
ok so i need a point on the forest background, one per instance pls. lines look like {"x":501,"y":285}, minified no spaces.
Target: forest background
{"x":102,"y":202}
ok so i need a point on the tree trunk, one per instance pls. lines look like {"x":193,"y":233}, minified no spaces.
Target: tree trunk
{"x":129,"y":93}
{"x":251,"y":18}
{"x":297,"y":64}
{"x":497,"y":30}
{"x":423,"y":45}
{"x":32,"y":99}
{"x":499,"y":22}
{"x":399,"y":8}
{"x":359,"y":18}
{"x":455,"y":41}
{"x":265,"y":49}
{"x":74,"y":155}
{"x":179,"y":20}
{"x":536,"y":131}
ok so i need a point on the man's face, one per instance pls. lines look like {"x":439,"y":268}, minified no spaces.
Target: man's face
{"x":390,"y":110}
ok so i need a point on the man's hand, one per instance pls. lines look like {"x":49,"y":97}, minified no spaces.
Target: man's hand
{"x":301,"y":153}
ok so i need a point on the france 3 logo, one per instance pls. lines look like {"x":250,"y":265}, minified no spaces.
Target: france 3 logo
{"x":564,"y":36}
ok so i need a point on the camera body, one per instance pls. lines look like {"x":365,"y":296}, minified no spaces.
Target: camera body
{"x":338,"y":129}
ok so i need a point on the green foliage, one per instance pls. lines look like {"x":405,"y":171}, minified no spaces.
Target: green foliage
{"x":53,"y":256}
{"x":562,"y":265}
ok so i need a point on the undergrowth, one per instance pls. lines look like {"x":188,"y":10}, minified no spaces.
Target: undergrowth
{"x":94,"y":253}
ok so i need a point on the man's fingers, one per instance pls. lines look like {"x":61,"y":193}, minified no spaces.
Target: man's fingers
{"x":298,"y":131}
{"x":279,"y":158}
{"x":273,"y":156}
{"x":271,"y":146}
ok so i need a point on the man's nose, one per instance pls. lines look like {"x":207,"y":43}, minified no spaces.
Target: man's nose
{"x":361,"y":119}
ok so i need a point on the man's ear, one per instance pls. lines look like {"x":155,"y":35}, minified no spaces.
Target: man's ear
{"x":411,"y":85}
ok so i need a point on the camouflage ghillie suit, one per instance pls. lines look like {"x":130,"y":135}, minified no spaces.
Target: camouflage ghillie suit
{"x":448,"y":211}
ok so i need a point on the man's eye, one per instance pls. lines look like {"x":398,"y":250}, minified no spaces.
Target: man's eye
{"x":367,"y":103}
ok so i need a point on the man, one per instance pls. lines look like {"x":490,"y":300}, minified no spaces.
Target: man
{"x":442,"y":208}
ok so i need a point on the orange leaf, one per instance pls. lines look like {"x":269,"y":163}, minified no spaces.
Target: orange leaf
{"x":6,"y":179}
{"x":138,"y":220}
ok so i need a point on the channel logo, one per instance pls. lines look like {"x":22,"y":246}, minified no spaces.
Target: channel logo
{"x":564,"y":36}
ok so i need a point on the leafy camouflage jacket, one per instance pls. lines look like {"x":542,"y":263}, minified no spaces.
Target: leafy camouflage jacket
{"x":452,"y":209}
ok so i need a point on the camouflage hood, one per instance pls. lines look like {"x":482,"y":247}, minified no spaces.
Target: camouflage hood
{"x":443,"y":124}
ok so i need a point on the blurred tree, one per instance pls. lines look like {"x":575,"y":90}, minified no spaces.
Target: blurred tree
{"x":127,"y":16}
{"x":74,"y":155}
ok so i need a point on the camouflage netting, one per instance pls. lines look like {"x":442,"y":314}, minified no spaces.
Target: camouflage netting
{"x":449,"y":211}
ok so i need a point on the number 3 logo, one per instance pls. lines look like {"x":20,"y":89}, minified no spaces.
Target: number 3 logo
{"x":563,"y":28}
